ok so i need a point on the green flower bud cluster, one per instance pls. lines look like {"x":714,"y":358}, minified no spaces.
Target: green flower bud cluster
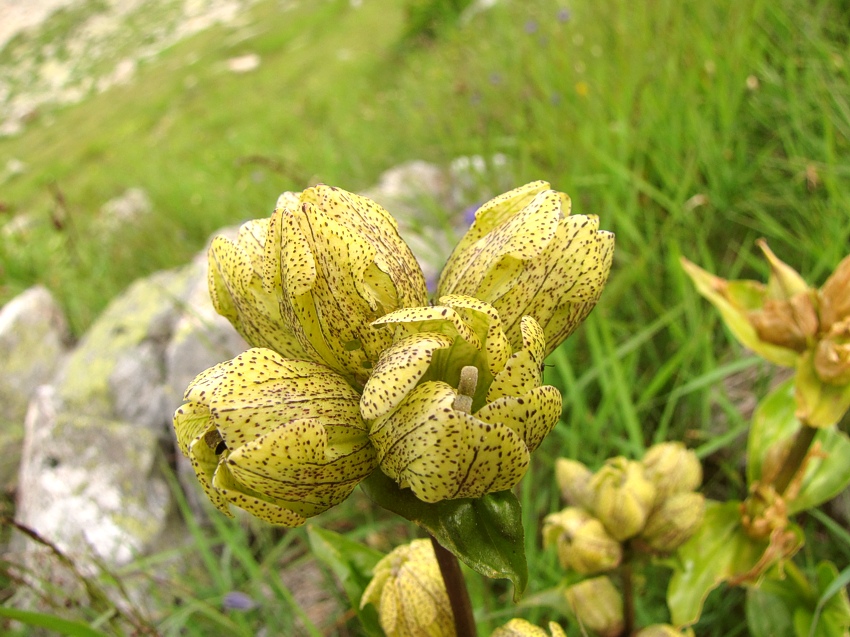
{"x":652,"y":504}
{"x":627,"y":506}
{"x":352,"y":370}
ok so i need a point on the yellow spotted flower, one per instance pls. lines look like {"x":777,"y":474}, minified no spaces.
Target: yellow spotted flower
{"x":408,"y":591}
{"x":523,"y":628}
{"x":792,"y":324}
{"x":309,"y":281}
{"x":281,"y":439}
{"x":453,"y":411}
{"x":351,"y":369}
{"x":527,"y":256}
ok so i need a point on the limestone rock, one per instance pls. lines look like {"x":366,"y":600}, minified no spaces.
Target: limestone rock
{"x":33,"y":340}
{"x":90,"y":484}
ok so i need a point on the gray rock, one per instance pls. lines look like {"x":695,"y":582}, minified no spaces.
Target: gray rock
{"x":90,"y":485}
{"x":33,"y":340}
{"x":91,"y":478}
{"x":130,"y":208}
{"x":128,"y":339}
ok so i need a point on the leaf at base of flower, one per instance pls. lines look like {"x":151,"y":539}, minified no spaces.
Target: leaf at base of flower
{"x":721,"y":551}
{"x":485,"y":533}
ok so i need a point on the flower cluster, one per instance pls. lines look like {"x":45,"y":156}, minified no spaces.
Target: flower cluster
{"x":792,"y":324}
{"x":650,"y":504}
{"x":351,"y":369}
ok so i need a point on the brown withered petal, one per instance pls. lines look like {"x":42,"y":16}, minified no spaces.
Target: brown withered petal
{"x":791,"y":323}
{"x":832,"y":361}
{"x":835,"y":295}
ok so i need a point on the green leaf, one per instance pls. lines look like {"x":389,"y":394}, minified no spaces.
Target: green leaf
{"x":51,"y":622}
{"x":774,"y":425}
{"x":767,"y":614}
{"x":719,"y":551}
{"x":485,"y":533}
{"x":352,"y":563}
{"x":832,"y":613}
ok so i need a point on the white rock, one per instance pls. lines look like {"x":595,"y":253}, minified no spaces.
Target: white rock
{"x":243,"y":63}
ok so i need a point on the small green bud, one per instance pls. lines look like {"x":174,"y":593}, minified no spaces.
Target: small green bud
{"x":583,"y":543}
{"x":622,"y":497}
{"x":597,"y":605}
{"x":674,"y":522}
{"x":573,"y":478}
{"x":672,"y":468}
{"x":664,"y":630}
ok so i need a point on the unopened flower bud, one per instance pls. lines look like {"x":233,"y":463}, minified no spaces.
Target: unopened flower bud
{"x":409,"y":593}
{"x":763,"y":511}
{"x":597,"y":605}
{"x":674,"y":522}
{"x":573,"y":478}
{"x":622,"y":497}
{"x":672,"y":468}
{"x":663,"y":630}
{"x":583,"y":543}
{"x":523,"y":628}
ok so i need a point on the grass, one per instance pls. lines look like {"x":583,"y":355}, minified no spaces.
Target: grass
{"x":689,"y":128}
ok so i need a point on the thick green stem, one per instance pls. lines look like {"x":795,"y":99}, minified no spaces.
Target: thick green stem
{"x":794,"y":460}
{"x":456,"y":588}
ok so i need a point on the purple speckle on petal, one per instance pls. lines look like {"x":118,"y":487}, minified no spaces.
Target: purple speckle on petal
{"x":237,"y":600}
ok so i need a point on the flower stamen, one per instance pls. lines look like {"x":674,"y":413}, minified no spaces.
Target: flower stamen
{"x":466,"y":389}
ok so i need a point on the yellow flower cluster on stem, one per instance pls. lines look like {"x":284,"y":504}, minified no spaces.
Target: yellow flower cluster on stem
{"x":351,"y":369}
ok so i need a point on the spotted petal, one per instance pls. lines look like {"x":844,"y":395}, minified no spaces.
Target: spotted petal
{"x":524,"y":369}
{"x":254,"y":503}
{"x":282,"y":439}
{"x":532,"y":415}
{"x":442,"y":453}
{"x":439,"y":319}
{"x":205,"y":462}
{"x":397,"y":372}
{"x":535,"y":260}
{"x":295,"y":462}
{"x":236,"y":289}
{"x":485,"y":322}
{"x":337,"y":263}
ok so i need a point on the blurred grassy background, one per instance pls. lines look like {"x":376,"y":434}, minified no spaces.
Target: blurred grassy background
{"x":690,"y":128}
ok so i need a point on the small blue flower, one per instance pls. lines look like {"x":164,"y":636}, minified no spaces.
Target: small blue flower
{"x":237,"y":600}
{"x":469,"y":213}
{"x":564,"y":15}
{"x":531,"y":26}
